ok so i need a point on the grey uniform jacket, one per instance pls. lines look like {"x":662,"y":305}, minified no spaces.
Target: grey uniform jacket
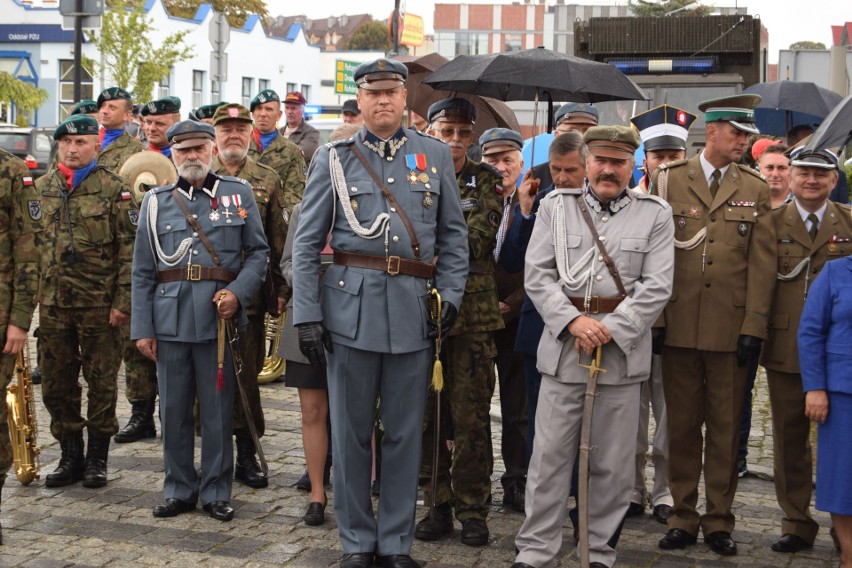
{"x":183,"y":310}
{"x":640,"y":239}
{"x":369,"y":309}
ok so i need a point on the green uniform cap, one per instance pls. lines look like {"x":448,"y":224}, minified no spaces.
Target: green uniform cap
{"x":231,"y":111}
{"x":76,"y":125}
{"x":619,"y":142}
{"x":167,"y":105}
{"x":112,"y":94}
{"x":86,"y":106}
{"x":736,"y":109}
{"x":265,"y":96}
{"x":207,"y":111}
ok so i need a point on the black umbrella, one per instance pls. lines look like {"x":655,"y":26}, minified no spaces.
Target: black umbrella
{"x":786,"y":104}
{"x":835,"y":130}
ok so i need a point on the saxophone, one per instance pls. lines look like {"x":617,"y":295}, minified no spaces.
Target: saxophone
{"x":23,"y":430}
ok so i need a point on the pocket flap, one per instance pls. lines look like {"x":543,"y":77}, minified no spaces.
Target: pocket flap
{"x":634,"y":244}
{"x":573,"y":241}
{"x":166,"y":226}
{"x":359,"y":186}
{"x":93,"y":209}
{"x":740,"y":214}
{"x":349,"y":282}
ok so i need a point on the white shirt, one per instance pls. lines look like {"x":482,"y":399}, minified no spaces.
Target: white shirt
{"x":710,"y":168}
{"x":819,"y":213}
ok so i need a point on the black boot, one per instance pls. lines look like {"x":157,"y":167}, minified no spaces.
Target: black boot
{"x":70,"y":468}
{"x":247,"y":469}
{"x":2,"y":481}
{"x":141,"y":423}
{"x":95,"y":471}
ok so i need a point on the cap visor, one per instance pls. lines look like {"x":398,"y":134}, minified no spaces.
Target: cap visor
{"x":383,"y":85}
{"x":191,"y":142}
{"x":806,"y":163}
{"x":498,"y":148}
{"x":745,"y":127}
{"x":665,"y":143}
{"x":609,"y":152}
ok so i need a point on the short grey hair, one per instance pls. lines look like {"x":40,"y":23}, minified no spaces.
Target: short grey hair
{"x":571,"y":141}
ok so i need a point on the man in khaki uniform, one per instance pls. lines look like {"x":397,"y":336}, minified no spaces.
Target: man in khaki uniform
{"x":716,"y":318}
{"x":810,"y":231}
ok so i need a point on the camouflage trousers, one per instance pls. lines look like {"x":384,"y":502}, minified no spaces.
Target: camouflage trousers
{"x":252,"y":352}
{"x":71,"y":339}
{"x":7,"y":370}
{"x":140,"y":373}
{"x":469,"y":380}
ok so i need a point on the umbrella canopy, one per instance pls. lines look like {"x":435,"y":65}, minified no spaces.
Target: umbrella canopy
{"x":490,"y":113}
{"x":786,"y":104}
{"x":836,"y":129}
{"x":532,"y":74}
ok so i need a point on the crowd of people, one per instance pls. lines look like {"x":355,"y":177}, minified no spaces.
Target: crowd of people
{"x":415,"y":280}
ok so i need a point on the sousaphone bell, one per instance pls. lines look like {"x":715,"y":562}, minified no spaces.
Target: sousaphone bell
{"x":145,"y":170}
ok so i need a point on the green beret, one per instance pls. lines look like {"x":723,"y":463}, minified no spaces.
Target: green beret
{"x":619,"y":142}
{"x":76,"y":125}
{"x":265,"y":96}
{"x":86,"y":106}
{"x":207,"y":111}
{"x":112,"y":94}
{"x":167,"y":105}
{"x":231,"y":111}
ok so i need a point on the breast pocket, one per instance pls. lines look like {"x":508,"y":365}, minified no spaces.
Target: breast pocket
{"x":425,"y":195}
{"x":95,"y":222}
{"x":169,"y":232}
{"x":739,"y":223}
{"x":361,"y":199}
{"x":633,"y":250}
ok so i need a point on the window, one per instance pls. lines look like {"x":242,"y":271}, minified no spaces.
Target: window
{"x":247,"y":90}
{"x":164,"y":85}
{"x":262,"y":84}
{"x":292,"y":87}
{"x":215,"y":94}
{"x":197,"y":88}
{"x":512,"y":42}
{"x":306,"y":91}
{"x":471,"y":43}
{"x":66,"y":87}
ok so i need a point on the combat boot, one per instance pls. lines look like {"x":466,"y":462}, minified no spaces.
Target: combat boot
{"x":437,"y":522}
{"x":70,"y":468}
{"x":95,"y":470}
{"x":141,"y":423}
{"x":247,"y":470}
{"x":2,"y":481}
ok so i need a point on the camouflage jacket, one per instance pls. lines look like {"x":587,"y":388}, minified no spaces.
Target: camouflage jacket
{"x":480,"y":188}
{"x":19,"y":217}
{"x":117,"y":153}
{"x":269,"y":195}
{"x":285,"y":158}
{"x":86,"y":241}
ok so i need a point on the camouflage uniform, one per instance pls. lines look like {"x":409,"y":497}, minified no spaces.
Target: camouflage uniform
{"x":270,"y":198}
{"x":468,"y":357}
{"x":114,"y":156}
{"x":85,"y":272}
{"x":286,"y":159}
{"x":18,"y":272}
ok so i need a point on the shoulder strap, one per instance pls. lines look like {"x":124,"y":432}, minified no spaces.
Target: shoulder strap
{"x":196,"y":227}
{"x":610,"y":264}
{"x":415,"y":244}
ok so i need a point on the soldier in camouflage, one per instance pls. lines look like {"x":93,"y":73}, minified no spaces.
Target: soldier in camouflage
{"x":469,"y":351}
{"x":232,"y":123}
{"x":115,"y":107}
{"x":19,"y":214}
{"x":85,"y":248}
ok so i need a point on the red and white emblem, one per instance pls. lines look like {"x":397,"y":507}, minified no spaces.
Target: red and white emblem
{"x":681,"y":117}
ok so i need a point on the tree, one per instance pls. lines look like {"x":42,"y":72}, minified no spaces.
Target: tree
{"x":800,"y":45}
{"x":129,"y":57}
{"x":26,"y":96}
{"x":236,"y":12}
{"x":663,"y":7}
{"x":372,"y":36}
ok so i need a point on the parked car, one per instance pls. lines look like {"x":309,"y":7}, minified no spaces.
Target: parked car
{"x":33,"y":145}
{"x":325,"y":126}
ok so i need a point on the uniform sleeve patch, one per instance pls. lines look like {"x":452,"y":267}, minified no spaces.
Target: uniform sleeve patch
{"x":133,"y":215}
{"x":125,"y":195}
{"x":34,"y":209}
{"x":494,"y":219}
{"x":28,"y":181}
{"x":468,"y":204}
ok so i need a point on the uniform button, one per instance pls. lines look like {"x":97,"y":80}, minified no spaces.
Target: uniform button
{"x":194,"y":216}
{"x":341,"y":283}
{"x":604,"y":218}
{"x":195,"y":252}
{"x":393,"y":209}
{"x":389,"y":158}
{"x":710,"y":240}
{"x":710,"y":262}
{"x":353,"y":189}
{"x":395,"y":239}
{"x":706,"y":284}
{"x":713,"y":218}
{"x":227,"y":220}
{"x":428,"y":186}
{"x":600,"y":258}
{"x":168,"y":227}
{"x":390,"y":180}
{"x":194,"y":234}
{"x":163,"y":291}
{"x":598,"y":277}
{"x":601,"y":238}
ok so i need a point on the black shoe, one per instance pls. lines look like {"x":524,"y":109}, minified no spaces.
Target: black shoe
{"x":35,"y":377}
{"x":675,"y":539}
{"x":836,"y":540}
{"x":791,"y":543}
{"x":598,"y":565}
{"x":141,"y":423}
{"x":220,"y":510}
{"x":70,"y":468}
{"x":357,"y":560}
{"x":661,"y":513}
{"x":304,"y":483}
{"x":247,"y":470}
{"x":474,"y":532}
{"x":173,"y":508}
{"x":437,"y":522}
{"x":398,"y":561}
{"x":635,"y":509}
{"x":513,"y":496}
{"x":95,"y":468}
{"x":521,"y":565}
{"x":315,"y":515}
{"x":721,"y":543}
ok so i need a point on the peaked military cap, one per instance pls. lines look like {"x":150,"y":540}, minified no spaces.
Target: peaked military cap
{"x":189,"y":133}
{"x":576,"y":113}
{"x":736,"y":109}
{"x":207,"y":111}
{"x":113,"y":94}
{"x":462,"y":110}
{"x":618,"y":142}
{"x":232,"y":111}
{"x":496,"y":140}
{"x":350,"y":106}
{"x":664,"y":127}
{"x":824,"y":159}
{"x":295,"y":98}
{"x":167,"y":105}
{"x":86,"y":106}
{"x":76,"y":125}
{"x":380,"y":74}
{"x":265,"y":96}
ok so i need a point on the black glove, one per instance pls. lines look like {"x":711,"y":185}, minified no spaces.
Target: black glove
{"x":658,"y":336}
{"x":448,"y":318}
{"x":312,"y":339}
{"x":748,"y":347}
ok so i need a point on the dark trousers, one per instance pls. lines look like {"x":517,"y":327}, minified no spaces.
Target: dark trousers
{"x":513,"y":405}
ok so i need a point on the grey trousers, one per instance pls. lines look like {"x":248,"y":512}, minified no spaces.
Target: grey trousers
{"x":652,"y":398}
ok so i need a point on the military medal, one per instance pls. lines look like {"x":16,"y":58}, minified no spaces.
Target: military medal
{"x":693,"y":212}
{"x":742,"y":229}
{"x":214,"y":215}
{"x":423,"y":177}
{"x":226,"y":201}
{"x":832,"y":247}
{"x":214,"y":205}
{"x":354,"y":204}
{"x":427,"y":199}
{"x":681,"y":223}
{"x":412,"y":177}
{"x":238,"y":204}
{"x":416,"y":163}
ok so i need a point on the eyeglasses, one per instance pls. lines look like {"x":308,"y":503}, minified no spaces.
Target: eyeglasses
{"x":447,"y":132}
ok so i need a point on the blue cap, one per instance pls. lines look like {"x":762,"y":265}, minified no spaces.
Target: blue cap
{"x":462,"y":110}
{"x":496,"y":140}
{"x":664,"y":127}
{"x":380,"y":74}
{"x":189,"y":133}
{"x":576,"y":113}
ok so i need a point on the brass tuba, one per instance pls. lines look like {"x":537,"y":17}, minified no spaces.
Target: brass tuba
{"x":145,"y":170}
{"x":273,"y":364}
{"x":23,"y":429}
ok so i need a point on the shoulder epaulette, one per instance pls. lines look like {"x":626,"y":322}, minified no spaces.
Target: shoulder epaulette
{"x":491,"y":169}
{"x":753,"y":172}
{"x":235,"y":179}
{"x":265,"y":167}
{"x":163,"y":188}
{"x":674,"y":164}
{"x":655,"y":198}
{"x":342,"y":142}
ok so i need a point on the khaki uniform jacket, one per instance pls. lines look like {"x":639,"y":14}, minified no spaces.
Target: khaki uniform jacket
{"x":723,"y":286}
{"x":833,"y":241}
{"x":114,"y":156}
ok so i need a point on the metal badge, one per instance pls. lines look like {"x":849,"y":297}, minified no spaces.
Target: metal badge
{"x":681,"y":223}
{"x":832,"y":247}
{"x":354,"y":204}
{"x":242,"y":212}
{"x":427,"y":199}
{"x":214,"y":215}
{"x":742,"y":229}
{"x":694,"y":212}
{"x":412,"y":177}
{"x":423,"y":177}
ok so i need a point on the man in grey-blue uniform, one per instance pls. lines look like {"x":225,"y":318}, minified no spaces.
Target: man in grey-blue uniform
{"x":200,"y":254}
{"x":390,"y":200}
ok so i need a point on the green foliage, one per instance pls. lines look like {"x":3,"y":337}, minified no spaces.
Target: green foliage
{"x":372,"y":36}
{"x":849,"y":180}
{"x":661,"y":8}
{"x":235,"y":12}
{"x":26,"y":96}
{"x":129,"y":57}
{"x":801,"y":45}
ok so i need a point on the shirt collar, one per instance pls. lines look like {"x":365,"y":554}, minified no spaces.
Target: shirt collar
{"x":709,"y":168}
{"x":210,"y":185}
{"x":384,"y":148}
{"x":612,"y":206}
{"x":804,"y":214}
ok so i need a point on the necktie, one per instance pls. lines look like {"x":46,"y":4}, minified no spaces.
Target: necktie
{"x":814,"y":225}
{"x":501,"y":230}
{"x":714,"y":182}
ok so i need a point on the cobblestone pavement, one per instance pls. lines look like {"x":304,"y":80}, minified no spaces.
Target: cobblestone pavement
{"x":113,"y":526}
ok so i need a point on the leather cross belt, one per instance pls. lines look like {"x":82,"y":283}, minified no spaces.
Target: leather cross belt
{"x":195,"y":273}
{"x":597,"y":304}
{"x":392,"y":265}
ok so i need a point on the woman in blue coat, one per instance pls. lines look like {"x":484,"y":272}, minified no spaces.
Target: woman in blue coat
{"x":825,"y":351}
